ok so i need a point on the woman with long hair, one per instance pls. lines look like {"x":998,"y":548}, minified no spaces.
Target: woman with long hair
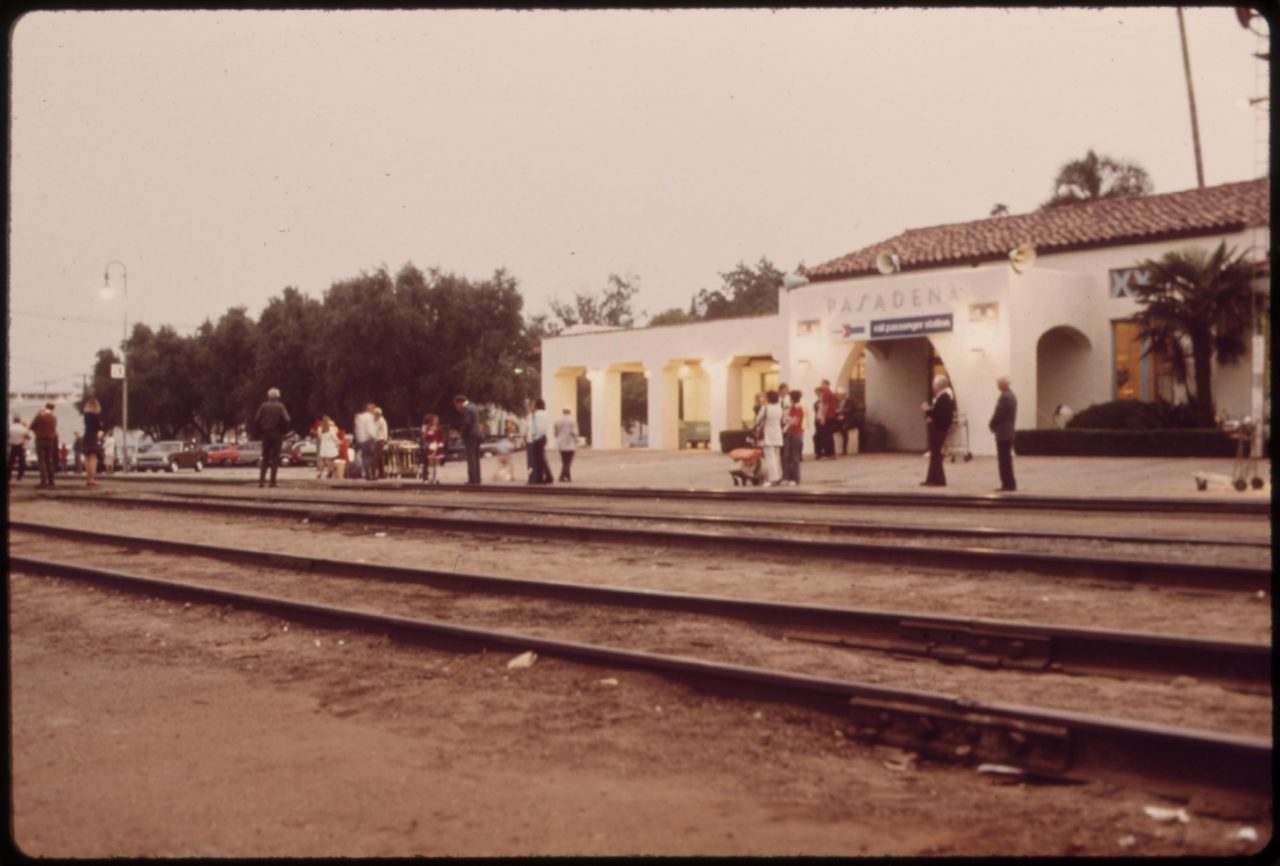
{"x":91,"y":442}
{"x":326,"y":446}
{"x":769,"y":421}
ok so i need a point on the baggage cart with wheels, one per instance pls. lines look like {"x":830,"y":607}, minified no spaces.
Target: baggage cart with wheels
{"x":1244,"y":470}
{"x":957,"y":444}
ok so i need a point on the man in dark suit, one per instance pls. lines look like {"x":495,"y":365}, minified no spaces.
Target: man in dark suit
{"x":939,"y":414}
{"x":272,"y":422}
{"x":1002,"y":423}
{"x":471,"y":435}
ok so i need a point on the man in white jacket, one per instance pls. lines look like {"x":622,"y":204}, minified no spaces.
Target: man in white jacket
{"x":366,"y":440}
{"x":566,"y":433}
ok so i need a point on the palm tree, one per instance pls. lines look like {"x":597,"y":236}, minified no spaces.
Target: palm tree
{"x":1198,"y":301}
{"x":1096,"y":177}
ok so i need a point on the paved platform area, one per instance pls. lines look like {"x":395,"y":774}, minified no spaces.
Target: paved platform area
{"x":1156,"y":477}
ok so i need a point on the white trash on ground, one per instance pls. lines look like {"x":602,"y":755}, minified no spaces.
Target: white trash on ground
{"x":1165,"y":815}
{"x":524,"y":660}
{"x":1244,"y":834}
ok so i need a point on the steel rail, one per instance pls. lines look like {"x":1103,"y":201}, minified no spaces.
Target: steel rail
{"x":984,"y":643}
{"x":1142,"y":505}
{"x":940,"y":726}
{"x":765,"y":524}
{"x":1184,"y":574}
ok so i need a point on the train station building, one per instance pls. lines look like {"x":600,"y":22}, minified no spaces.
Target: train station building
{"x":1044,"y":297}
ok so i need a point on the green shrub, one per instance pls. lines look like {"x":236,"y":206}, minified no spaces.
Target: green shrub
{"x":1201,"y":442}
{"x":1134,"y":415}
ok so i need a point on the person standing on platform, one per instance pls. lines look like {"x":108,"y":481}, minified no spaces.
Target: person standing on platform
{"x":829,"y":406}
{"x":366,"y":435}
{"x":471,"y":435}
{"x":769,"y":422}
{"x":91,"y":442}
{"x":382,"y":436}
{"x":272,"y":421}
{"x":566,"y":433}
{"x":540,"y":472}
{"x":939,"y":413}
{"x":45,"y":428}
{"x":109,"y":453}
{"x":433,"y":443}
{"x":19,"y":433}
{"x":327,"y":449}
{"x":844,"y":409}
{"x":1002,"y":423}
{"x":793,"y":438}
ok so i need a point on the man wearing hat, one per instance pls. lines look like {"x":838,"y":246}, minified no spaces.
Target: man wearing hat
{"x":566,"y":433}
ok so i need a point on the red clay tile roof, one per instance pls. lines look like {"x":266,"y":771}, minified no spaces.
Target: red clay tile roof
{"x":1109,"y":222}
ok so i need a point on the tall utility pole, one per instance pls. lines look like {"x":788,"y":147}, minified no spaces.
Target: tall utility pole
{"x":1191,"y":98}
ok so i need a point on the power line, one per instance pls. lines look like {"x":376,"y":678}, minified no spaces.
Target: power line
{"x":85,"y":320}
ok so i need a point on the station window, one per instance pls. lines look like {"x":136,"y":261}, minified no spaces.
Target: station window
{"x":1139,"y":376}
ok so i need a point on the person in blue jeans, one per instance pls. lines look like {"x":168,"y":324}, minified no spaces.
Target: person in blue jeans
{"x":793,"y":438}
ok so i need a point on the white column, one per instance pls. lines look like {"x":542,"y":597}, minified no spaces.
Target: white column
{"x":606,"y":409}
{"x":663,"y":408}
{"x":718,"y":397}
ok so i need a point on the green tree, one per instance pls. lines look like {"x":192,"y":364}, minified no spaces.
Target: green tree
{"x":1197,"y":301}
{"x":224,"y":371}
{"x":612,"y":306}
{"x":286,"y":356}
{"x":1094,"y":177}
{"x":163,"y":400}
{"x":745,"y":291}
{"x":674,"y":316}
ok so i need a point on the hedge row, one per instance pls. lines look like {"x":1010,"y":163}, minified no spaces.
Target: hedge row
{"x":1124,"y":443}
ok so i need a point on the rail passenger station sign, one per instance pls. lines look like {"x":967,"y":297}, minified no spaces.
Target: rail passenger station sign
{"x":913,"y":326}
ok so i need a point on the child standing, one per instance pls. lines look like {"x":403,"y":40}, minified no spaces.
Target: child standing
{"x":432,"y":449}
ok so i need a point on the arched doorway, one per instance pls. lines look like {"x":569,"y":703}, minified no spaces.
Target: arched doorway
{"x":886,"y":381}
{"x":1063,"y":374}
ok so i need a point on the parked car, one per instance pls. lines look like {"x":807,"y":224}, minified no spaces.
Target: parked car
{"x":248,"y":453}
{"x":303,"y":452}
{"x":170,"y":456}
{"x":221,"y":454}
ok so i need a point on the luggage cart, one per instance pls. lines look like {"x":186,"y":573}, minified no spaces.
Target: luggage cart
{"x":957,"y":444}
{"x":1244,"y":470}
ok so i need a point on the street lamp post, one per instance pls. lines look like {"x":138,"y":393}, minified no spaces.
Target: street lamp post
{"x":106,"y":293}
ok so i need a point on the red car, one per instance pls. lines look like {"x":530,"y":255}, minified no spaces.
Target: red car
{"x":221,"y":454}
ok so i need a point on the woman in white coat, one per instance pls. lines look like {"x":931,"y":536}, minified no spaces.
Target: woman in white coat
{"x":769,"y":423}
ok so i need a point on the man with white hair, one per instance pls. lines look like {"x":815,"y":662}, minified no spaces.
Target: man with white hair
{"x":939,"y":413}
{"x":566,"y":433}
{"x":1002,"y":423}
{"x":272,"y":422}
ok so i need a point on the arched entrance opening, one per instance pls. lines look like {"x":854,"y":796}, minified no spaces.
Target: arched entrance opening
{"x":748,"y":376}
{"x":693,"y":405}
{"x":886,"y":381}
{"x":572,"y":388}
{"x":1063,"y":357}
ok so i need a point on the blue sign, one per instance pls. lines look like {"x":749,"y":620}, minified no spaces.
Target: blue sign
{"x":883,"y":329}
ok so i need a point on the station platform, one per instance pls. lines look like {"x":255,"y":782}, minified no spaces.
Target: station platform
{"x":1106,"y":477}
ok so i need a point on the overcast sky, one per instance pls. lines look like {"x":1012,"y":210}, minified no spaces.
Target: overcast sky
{"x":222,"y":156}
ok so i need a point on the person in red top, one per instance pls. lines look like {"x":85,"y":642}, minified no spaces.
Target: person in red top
{"x":830,"y":404}
{"x":432,"y":449}
{"x":45,"y":428}
{"x":792,"y":438}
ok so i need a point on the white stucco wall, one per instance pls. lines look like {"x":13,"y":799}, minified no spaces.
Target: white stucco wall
{"x":717,"y":349}
{"x":1064,"y":295}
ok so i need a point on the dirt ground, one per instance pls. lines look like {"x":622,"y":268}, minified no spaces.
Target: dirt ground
{"x":150,"y":728}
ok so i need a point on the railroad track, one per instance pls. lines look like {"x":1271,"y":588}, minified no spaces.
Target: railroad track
{"x":811,"y":496}
{"x":980,"y":642}
{"x":1055,"y":743}
{"x":765,"y":525}
{"x":1163,"y":573}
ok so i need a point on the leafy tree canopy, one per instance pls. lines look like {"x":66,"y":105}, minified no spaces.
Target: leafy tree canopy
{"x":1097,"y":177}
